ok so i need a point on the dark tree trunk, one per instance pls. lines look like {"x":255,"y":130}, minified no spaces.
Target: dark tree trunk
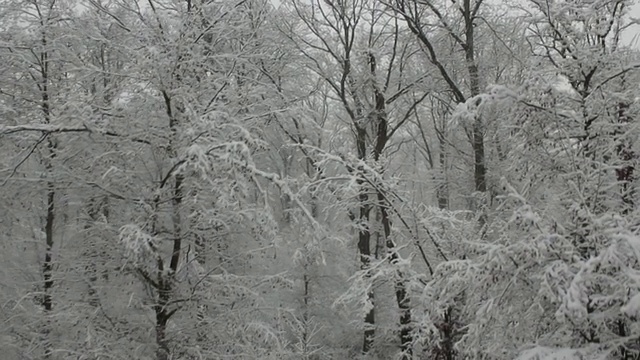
{"x":480,"y":171}
{"x":382,"y":137}
{"x":442,"y":190}
{"x":165,"y":280}
{"x":402,"y":298}
{"x":446,"y":350}
{"x":364,"y":213}
{"x":625,"y":173}
{"x":625,"y":177}
{"x":162,"y":314}
{"x":364,"y":247}
{"x":47,"y":266}
{"x":95,"y":208}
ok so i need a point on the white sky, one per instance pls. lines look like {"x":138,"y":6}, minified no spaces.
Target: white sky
{"x":632,"y":34}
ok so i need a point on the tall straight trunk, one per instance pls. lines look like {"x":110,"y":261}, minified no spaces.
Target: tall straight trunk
{"x":442,"y":192}
{"x":625,"y":173}
{"x":165,"y":280}
{"x":479,"y":165}
{"x":381,"y":139}
{"x":162,"y":313}
{"x":95,"y":208}
{"x":47,"y":266}
{"x":625,"y":176}
{"x":402,"y":298}
{"x":177,"y":223}
{"x":447,"y":350}
{"x":201,"y":259}
{"x":442,"y":189}
{"x":480,"y":170}
{"x":364,"y":207}
{"x":305,"y":312}
{"x":364,"y":237}
{"x":312,"y":171}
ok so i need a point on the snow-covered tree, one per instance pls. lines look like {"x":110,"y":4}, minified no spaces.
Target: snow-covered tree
{"x":557,"y":269}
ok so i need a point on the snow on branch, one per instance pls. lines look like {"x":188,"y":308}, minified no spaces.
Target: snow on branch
{"x":53,"y":129}
{"x":548,"y":353}
{"x":138,"y":244}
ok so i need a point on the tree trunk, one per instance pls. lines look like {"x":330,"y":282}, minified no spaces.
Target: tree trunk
{"x":442,"y":190}
{"x":47,"y":266}
{"x":382,"y":137}
{"x":402,"y":298}
{"x":364,"y":240}
{"x":625,"y":173}
{"x":165,"y":280}
{"x":480,"y":171}
{"x":162,"y":315}
{"x":625,"y":176}
{"x":364,"y":235}
{"x":94,"y":209}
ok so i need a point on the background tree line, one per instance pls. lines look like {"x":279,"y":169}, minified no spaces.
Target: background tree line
{"x":323,"y":179}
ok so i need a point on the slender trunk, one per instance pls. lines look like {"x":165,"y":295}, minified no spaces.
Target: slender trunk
{"x":402,"y":298}
{"x":162,"y":313}
{"x":364,"y":237}
{"x":625,"y":176}
{"x":480,"y":171}
{"x":442,"y":191}
{"x":94,"y":209}
{"x":625,"y":173}
{"x":165,"y":280}
{"x":47,"y":266}
{"x":369,"y":319}
{"x":312,"y":171}
{"x":364,"y":247}
{"x":201,"y":259}
{"x":446,"y":350}
{"x":305,"y":314}
{"x":382,"y":137}
{"x":443,"y":186}
{"x":177,"y":224}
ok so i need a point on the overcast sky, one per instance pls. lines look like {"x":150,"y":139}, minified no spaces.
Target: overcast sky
{"x":631,"y":35}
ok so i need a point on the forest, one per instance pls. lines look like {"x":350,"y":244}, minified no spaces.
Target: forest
{"x":319,"y":179}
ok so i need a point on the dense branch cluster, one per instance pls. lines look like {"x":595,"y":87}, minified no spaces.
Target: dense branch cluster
{"x":319,"y":179}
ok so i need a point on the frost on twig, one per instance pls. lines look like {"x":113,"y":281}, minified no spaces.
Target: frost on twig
{"x":139,"y":246}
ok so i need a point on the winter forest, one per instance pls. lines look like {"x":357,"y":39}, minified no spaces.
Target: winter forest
{"x":319,"y":179}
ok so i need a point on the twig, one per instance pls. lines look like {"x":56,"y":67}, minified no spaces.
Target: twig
{"x":33,"y":148}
